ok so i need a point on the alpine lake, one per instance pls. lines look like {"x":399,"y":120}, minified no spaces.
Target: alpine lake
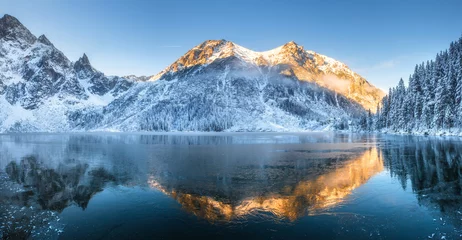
{"x":230,"y":186}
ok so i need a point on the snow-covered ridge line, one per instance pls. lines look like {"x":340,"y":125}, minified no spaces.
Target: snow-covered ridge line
{"x":224,"y":48}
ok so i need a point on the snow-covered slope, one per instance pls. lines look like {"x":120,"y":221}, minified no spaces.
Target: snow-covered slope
{"x":216,"y":86}
{"x":220,"y":86}
{"x":39,"y":86}
{"x":290,"y":60}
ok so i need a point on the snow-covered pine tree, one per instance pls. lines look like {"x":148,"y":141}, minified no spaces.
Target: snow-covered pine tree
{"x":431,"y":102}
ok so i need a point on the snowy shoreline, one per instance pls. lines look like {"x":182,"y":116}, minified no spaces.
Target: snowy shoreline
{"x":423,"y":133}
{"x":212,"y":133}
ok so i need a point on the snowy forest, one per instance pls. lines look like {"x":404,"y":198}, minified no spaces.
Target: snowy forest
{"x":431,"y":101}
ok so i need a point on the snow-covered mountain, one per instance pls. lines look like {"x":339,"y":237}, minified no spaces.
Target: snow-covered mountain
{"x":290,"y":60}
{"x":221,"y":86}
{"x":216,"y":86}
{"x":39,"y":86}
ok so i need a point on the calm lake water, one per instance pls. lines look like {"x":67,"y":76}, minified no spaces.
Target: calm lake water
{"x":230,"y":186}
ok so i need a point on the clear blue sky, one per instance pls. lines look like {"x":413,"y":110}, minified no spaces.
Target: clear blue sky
{"x":381,"y":40}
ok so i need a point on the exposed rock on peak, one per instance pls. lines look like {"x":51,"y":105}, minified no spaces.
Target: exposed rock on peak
{"x":83,"y":64}
{"x":198,"y":55}
{"x":10,"y":22}
{"x":44,"y":40}
{"x":12,"y":29}
{"x":292,"y":47}
{"x":9,"y":17}
{"x":291,"y":44}
{"x":84,"y":59}
{"x":212,"y":43}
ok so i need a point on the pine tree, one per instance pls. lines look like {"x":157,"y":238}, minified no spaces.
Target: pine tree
{"x":457,"y":68}
{"x":440,"y":88}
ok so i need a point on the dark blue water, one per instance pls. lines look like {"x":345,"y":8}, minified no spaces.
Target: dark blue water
{"x":229,"y":186}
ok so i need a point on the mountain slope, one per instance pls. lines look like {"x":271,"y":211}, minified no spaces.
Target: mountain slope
{"x":290,"y":60}
{"x":221,"y":86}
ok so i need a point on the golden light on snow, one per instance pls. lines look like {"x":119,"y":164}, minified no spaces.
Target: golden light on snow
{"x":293,"y":61}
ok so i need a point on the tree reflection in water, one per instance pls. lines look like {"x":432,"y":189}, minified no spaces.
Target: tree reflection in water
{"x":434,"y":169}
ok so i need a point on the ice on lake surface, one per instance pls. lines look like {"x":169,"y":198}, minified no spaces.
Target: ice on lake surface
{"x":228,"y":186}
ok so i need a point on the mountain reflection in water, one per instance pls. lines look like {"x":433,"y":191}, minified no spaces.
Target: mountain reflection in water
{"x":229,"y":178}
{"x":295,"y":201}
{"x":55,"y":189}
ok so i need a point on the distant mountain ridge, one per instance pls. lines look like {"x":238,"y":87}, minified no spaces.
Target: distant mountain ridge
{"x":216,"y":86}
